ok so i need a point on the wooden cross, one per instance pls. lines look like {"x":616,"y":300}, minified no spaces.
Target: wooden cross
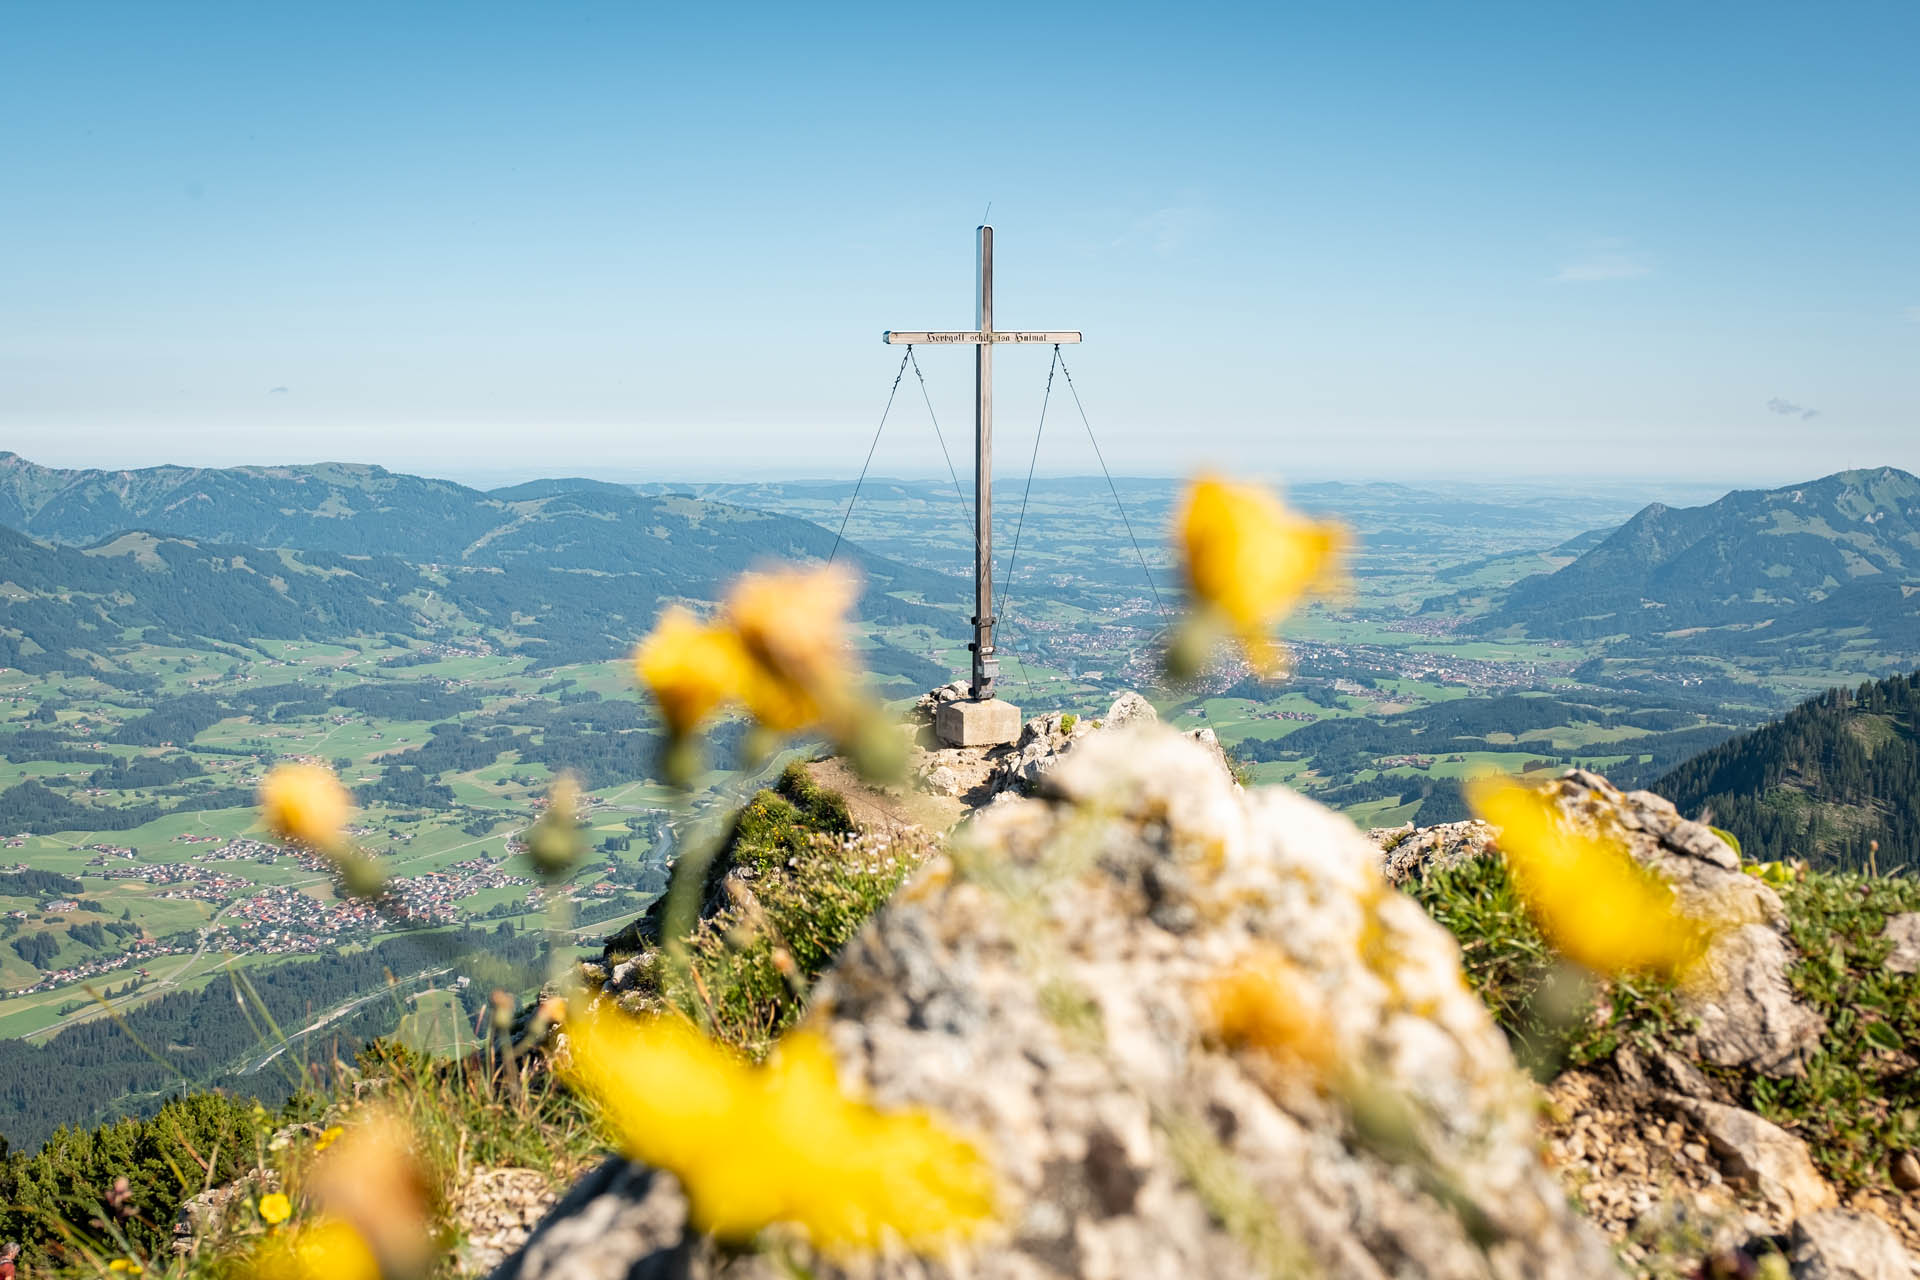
{"x":983,"y":339}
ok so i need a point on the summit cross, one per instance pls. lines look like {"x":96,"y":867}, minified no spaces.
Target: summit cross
{"x":983,"y":338}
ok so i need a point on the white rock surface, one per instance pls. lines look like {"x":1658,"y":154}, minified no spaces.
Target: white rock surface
{"x":1903,"y":931}
{"x":1839,"y":1244}
{"x":1760,"y":1155}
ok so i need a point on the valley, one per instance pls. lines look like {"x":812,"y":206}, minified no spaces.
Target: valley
{"x":166,"y":637}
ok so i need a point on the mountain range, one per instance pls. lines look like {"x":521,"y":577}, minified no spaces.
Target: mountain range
{"x":1825,"y":562}
{"x":563,"y":571}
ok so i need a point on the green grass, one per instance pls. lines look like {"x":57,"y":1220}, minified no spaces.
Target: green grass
{"x":1860,"y":1099}
{"x":753,"y":956}
{"x":435,"y":1025}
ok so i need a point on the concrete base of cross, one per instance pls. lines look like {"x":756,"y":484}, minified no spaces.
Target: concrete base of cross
{"x":969,"y":722}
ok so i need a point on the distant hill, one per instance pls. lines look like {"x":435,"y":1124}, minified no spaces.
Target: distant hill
{"x":1833,"y":774}
{"x":366,"y":510}
{"x":564,"y":573}
{"x":332,"y":506}
{"x":1767,"y":568}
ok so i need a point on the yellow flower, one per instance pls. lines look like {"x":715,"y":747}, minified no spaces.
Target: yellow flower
{"x":305,"y":804}
{"x":779,"y":1142}
{"x":554,"y":842}
{"x":1249,"y":560}
{"x":692,"y":669}
{"x":126,"y":1266}
{"x":793,"y":623}
{"x":1596,"y":905}
{"x":370,"y":1182}
{"x":1261,"y":1003}
{"x":328,"y":1136}
{"x":275,"y":1208}
{"x":328,"y":1249}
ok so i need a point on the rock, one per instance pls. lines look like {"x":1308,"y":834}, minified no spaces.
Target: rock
{"x":1760,"y":1155}
{"x":1386,"y":838}
{"x":1210,"y":743}
{"x":496,"y":1209}
{"x":1747,"y":1015}
{"x":1044,"y":742}
{"x":1903,"y":931}
{"x":1129,"y":708}
{"x":1052,"y":1009}
{"x":941,"y":781}
{"x":1904,"y":1170}
{"x":928,"y":705}
{"x":203,"y":1216}
{"x":1838,"y":1244}
{"x":620,"y":1222}
{"x":1412,"y":854}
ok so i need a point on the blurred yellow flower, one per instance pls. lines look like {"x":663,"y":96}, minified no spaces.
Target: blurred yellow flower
{"x":328,"y":1136}
{"x":779,"y":1142}
{"x":305,"y":804}
{"x":555,"y":843}
{"x":793,"y":623}
{"x":1249,"y":560}
{"x":126,"y":1266}
{"x":1262,"y":1003}
{"x":328,"y":1249}
{"x":371,"y":1184}
{"x":1597,"y":906}
{"x":692,"y":669}
{"x":275,"y":1208}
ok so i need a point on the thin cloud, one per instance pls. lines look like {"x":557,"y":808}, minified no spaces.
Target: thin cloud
{"x":1788,"y":409}
{"x":1612,"y":264}
{"x":277,"y":391}
{"x":1911,"y":315}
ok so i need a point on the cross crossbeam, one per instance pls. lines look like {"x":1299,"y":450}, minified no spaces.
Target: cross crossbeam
{"x":973,"y":337}
{"x":983,"y":338}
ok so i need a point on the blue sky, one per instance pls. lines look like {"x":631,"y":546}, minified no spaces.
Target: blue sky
{"x":1396,"y":241}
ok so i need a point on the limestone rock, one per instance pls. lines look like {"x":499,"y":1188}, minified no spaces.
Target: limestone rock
{"x":204,"y":1215}
{"x":620,"y":1222}
{"x":1044,"y":742}
{"x":1839,"y":1244}
{"x":496,"y":1209}
{"x":1408,"y":854}
{"x":1748,"y":1014}
{"x":1210,"y":743}
{"x":1129,"y":708}
{"x":1903,"y":931}
{"x":1041,"y":988}
{"x":1760,"y":1155}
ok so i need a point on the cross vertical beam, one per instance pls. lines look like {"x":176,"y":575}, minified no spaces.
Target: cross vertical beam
{"x":983,"y":339}
{"x":986,"y":665}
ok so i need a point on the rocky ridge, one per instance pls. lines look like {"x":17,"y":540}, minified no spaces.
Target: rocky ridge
{"x":1059,"y":1023}
{"x":1041,"y":984}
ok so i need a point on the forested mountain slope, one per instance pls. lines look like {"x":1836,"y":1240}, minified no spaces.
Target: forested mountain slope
{"x":361,"y":510}
{"x":1834,"y":774}
{"x":573,"y":574}
{"x":1836,"y":553}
